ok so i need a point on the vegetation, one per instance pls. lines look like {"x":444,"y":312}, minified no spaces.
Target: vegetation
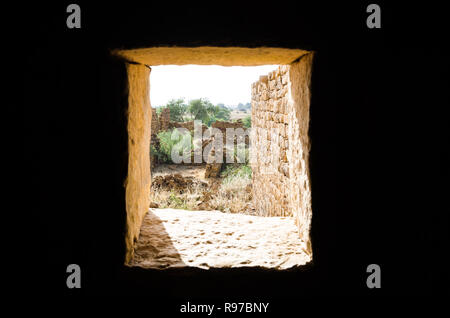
{"x":234,"y":194}
{"x":202,"y":109}
{"x":236,"y":170}
{"x":231,"y":194}
{"x":178,"y":109}
{"x":247,"y":121}
{"x":199,"y":108}
{"x":187,"y":200}
{"x":218,"y":113}
{"x":169,"y":141}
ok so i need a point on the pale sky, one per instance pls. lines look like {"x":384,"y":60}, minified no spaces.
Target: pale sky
{"x":229,"y":85}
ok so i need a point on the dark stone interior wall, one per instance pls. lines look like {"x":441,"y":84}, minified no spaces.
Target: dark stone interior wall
{"x":369,"y":127}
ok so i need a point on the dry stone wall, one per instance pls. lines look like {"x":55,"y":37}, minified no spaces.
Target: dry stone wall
{"x":213,"y":167}
{"x":164,"y":119}
{"x":280,"y":143}
{"x":154,"y":136}
{"x":270,"y":142}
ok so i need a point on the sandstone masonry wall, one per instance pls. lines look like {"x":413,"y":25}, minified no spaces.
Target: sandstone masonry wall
{"x":270,"y":167}
{"x":280,"y":144}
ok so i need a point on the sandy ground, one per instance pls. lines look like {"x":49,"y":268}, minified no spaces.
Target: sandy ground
{"x":212,"y":239}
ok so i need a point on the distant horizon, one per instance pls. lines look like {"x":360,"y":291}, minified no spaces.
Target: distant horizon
{"x":228,"y":85}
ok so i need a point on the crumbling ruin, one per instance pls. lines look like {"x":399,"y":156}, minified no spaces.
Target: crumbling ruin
{"x":215,"y":163}
{"x":162,"y":122}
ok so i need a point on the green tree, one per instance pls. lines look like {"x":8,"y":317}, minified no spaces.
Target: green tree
{"x":177,"y":108}
{"x":200,"y":109}
{"x":222,"y":112}
{"x":218,"y":113}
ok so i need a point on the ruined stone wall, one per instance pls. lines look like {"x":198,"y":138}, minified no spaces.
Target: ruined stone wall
{"x":155,"y":122}
{"x":280,"y":144}
{"x":154,"y":135}
{"x":189,"y":125}
{"x":214,"y":168}
{"x":164,"y":119}
{"x":138,"y":179}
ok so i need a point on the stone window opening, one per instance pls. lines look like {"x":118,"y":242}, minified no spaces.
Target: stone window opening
{"x":280,"y":185}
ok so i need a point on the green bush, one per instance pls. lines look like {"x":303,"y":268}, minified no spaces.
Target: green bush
{"x":176,"y":202}
{"x":155,"y":152}
{"x":237,"y":170}
{"x":169,"y":141}
{"x":247,"y":121}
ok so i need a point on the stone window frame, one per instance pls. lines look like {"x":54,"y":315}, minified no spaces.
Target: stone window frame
{"x":138,"y":65}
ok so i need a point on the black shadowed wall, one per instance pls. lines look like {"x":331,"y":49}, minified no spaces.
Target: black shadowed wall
{"x":363,"y":131}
